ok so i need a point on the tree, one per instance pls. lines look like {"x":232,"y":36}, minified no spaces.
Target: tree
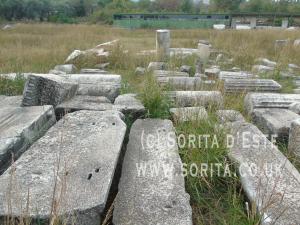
{"x":227,"y":5}
{"x":187,"y":6}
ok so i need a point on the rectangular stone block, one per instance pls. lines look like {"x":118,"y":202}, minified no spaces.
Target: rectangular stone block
{"x":247,"y":85}
{"x":181,"y":83}
{"x":188,"y":114}
{"x":269,"y":100}
{"x":129,"y":105}
{"x":196,"y":98}
{"x":212,"y":73}
{"x":19,"y":128}
{"x":93,"y":71}
{"x":146,"y":198}
{"x":269,"y":180}
{"x":169,"y":73}
{"x":47,"y":89}
{"x":84,"y":102}
{"x":73,"y":165}
{"x":108,"y":85}
{"x":276,"y":122}
{"x":235,"y":75}
{"x":295,"y":107}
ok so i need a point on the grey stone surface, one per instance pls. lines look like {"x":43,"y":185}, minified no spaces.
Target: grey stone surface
{"x":93,"y":71}
{"x":57,"y":72}
{"x":84,"y":102}
{"x":169,"y":73}
{"x":266,"y":62}
{"x":157,"y":66}
{"x":262,"y":69}
{"x":47,"y":89}
{"x":130,"y":105}
{"x":274,"y":121}
{"x":180,"y":83}
{"x":108,"y":85}
{"x":66,"y":68}
{"x":19,"y":128}
{"x":163,"y":42}
{"x":102,"y":66}
{"x":230,"y":116}
{"x":204,"y":52}
{"x":295,"y":107}
{"x":267,"y":177}
{"x":235,"y":75}
{"x":269,"y":100}
{"x":6,"y":101}
{"x":212,"y":73}
{"x":183,"y":52}
{"x":247,"y":85}
{"x":158,"y":199}
{"x":74,"y":164}
{"x":196,"y":98}
{"x":294,"y":138}
{"x":140,"y":71}
{"x":186,"y":69}
{"x":188,"y":114}
{"x":281,"y":43}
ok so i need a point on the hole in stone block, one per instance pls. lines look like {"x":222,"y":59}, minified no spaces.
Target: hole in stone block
{"x":90,"y":176}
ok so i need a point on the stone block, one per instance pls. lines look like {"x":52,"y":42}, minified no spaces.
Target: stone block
{"x":19,"y":128}
{"x":7,"y":101}
{"x":47,"y":89}
{"x":129,"y":105}
{"x":93,"y":71}
{"x":181,"y":83}
{"x":235,"y":75}
{"x":66,"y":68}
{"x":295,"y":107}
{"x":157,"y":66}
{"x":160,"y":198}
{"x":169,"y":73}
{"x":247,"y":85}
{"x":294,"y":138}
{"x":230,"y":116}
{"x":73,"y":165}
{"x":188,"y":114}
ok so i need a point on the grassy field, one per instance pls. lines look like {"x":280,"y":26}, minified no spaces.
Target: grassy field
{"x":39,"y":47}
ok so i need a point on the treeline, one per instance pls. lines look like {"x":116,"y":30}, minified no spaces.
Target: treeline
{"x":102,"y":10}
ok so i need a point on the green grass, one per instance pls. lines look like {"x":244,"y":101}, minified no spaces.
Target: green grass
{"x":12,"y":87}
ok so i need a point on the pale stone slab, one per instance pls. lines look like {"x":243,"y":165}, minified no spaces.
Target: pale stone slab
{"x":186,"y":69}
{"x":108,"y":85}
{"x":266,"y":62}
{"x":230,"y":116}
{"x":247,"y":85}
{"x":145,"y":199}
{"x":236,"y":75}
{"x":169,"y":73}
{"x":196,"y":98}
{"x":6,"y":101}
{"x":204,"y":52}
{"x":183,"y":52}
{"x":262,"y":69}
{"x":267,"y":177}
{"x":47,"y":89}
{"x":269,"y":100}
{"x":93,"y":71}
{"x":77,"y":158}
{"x":130,"y":105}
{"x":140,"y":71}
{"x":13,"y":76}
{"x":188,"y":114}
{"x":212,"y":73}
{"x":181,"y":83}
{"x":157,"y":66}
{"x":276,"y":122}
{"x":294,"y":138}
{"x":295,"y":107}
{"x":84,"y":102}
{"x":66,"y":68}
{"x":19,"y":128}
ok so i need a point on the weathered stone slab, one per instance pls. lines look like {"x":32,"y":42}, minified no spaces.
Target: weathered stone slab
{"x":66,"y":68}
{"x":269,"y":100}
{"x":262,"y":69}
{"x":294,"y":138}
{"x":230,"y":116}
{"x":84,"y":102}
{"x":7,"y":101}
{"x":47,"y":89}
{"x":295,"y":107}
{"x":246,"y":85}
{"x":97,"y":84}
{"x":19,"y":128}
{"x":140,"y":71}
{"x":268,"y":178}
{"x":147,"y":198}
{"x":196,"y":98}
{"x":181,"y":83}
{"x":186,"y":69}
{"x":212,"y":73}
{"x":266,"y":62}
{"x":188,"y":114}
{"x":169,"y":73}
{"x":93,"y":71}
{"x":73,"y":165}
{"x":204,"y":52}
{"x":13,"y":76}
{"x":183,"y":52}
{"x":128,"y":104}
{"x":235,"y":75}
{"x":157,"y":66}
{"x":274,"y":122}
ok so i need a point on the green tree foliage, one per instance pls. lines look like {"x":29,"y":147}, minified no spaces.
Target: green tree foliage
{"x":227,"y":5}
{"x":187,"y":6}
